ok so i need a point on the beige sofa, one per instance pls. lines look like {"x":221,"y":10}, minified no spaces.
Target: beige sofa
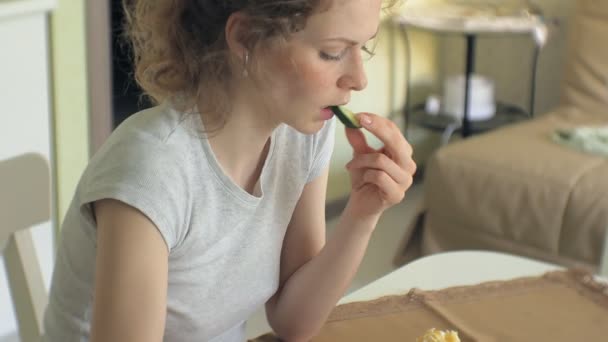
{"x":516,"y":190}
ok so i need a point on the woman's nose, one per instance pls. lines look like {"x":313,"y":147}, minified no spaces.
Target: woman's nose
{"x":354,"y":77}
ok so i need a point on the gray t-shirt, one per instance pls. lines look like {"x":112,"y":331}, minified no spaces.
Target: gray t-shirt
{"x":224,"y":243}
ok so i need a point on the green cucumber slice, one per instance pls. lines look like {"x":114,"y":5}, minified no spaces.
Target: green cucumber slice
{"x":347,"y":117}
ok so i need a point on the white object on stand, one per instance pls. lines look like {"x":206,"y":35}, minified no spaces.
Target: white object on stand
{"x":481,"y":97}
{"x":432,"y":105}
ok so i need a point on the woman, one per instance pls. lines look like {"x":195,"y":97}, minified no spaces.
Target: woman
{"x":198,"y":211}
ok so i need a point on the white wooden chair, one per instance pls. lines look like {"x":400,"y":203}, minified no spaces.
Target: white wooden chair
{"x":25,"y":199}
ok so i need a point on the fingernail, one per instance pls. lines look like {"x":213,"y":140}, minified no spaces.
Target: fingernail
{"x":365,"y":119}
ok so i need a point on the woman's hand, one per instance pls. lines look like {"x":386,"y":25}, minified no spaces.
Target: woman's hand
{"x":379,"y":178}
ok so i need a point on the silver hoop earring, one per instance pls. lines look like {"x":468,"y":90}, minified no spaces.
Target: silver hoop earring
{"x":246,"y":64}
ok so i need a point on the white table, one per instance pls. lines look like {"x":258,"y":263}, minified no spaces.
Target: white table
{"x":448,"y":269}
{"x":451,"y":269}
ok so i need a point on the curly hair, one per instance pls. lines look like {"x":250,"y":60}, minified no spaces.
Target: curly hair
{"x":179,"y":49}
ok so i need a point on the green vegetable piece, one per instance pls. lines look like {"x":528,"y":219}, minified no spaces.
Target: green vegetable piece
{"x":347,"y":117}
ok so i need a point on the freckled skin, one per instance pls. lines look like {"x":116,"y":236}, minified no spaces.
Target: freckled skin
{"x":297,"y":78}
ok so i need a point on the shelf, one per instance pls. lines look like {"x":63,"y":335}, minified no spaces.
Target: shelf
{"x":473,"y":18}
{"x":505,"y":114}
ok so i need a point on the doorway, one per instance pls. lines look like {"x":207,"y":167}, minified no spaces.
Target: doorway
{"x":114,"y":95}
{"x":126,"y":94}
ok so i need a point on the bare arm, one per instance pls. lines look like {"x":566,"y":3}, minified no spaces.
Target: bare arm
{"x":315,"y":275}
{"x":130,"y":277}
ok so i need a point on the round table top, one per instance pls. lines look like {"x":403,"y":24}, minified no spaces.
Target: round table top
{"x":456,"y":268}
{"x":473,"y":18}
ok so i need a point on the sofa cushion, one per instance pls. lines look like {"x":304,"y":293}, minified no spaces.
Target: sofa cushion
{"x":585,"y":83}
{"x":552,"y":202}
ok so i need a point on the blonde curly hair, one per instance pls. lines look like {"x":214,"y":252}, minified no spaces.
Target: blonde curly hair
{"x":179,"y":49}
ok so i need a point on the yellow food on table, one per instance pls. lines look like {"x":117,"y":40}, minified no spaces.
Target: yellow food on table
{"x":434,"y":335}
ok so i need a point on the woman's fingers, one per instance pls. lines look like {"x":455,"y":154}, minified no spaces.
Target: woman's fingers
{"x":391,"y":191}
{"x":381,"y":162}
{"x":389,"y":170}
{"x":410,"y":165}
{"x":390,"y":135}
{"x":356,"y":139}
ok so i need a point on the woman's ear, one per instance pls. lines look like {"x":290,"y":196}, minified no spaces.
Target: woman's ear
{"x":235,"y":31}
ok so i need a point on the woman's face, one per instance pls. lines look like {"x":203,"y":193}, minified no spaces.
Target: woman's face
{"x":320,"y":65}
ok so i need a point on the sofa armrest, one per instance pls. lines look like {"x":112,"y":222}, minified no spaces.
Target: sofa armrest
{"x":604,"y":261}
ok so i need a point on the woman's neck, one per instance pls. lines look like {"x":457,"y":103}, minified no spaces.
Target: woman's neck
{"x":242,"y":144}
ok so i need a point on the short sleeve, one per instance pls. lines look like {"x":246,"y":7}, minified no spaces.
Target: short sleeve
{"x":146,"y":174}
{"x":323,"y":147}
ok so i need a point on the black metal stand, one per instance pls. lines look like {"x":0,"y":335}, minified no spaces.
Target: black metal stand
{"x":465,"y":126}
{"x":470,"y":69}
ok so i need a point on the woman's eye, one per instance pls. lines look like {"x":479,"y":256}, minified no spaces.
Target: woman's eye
{"x":367,"y":54}
{"x":331,"y":57}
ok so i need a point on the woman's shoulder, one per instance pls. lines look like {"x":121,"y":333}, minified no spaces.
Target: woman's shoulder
{"x":149,"y":133}
{"x":161,"y":123}
{"x":150,"y":142}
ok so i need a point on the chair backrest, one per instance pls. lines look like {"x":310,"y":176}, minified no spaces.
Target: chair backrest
{"x":25,"y":198}
{"x":585,"y":84}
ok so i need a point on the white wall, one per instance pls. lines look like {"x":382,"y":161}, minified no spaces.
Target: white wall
{"x":24,"y":115}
